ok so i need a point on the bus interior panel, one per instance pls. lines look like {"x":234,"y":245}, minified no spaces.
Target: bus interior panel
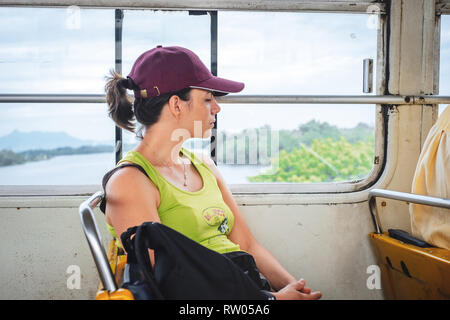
{"x":319,"y":150}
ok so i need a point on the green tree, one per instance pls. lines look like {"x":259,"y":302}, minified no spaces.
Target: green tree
{"x":325,"y":160}
{"x":7,"y":158}
{"x":358,"y":133}
{"x":317,"y":130}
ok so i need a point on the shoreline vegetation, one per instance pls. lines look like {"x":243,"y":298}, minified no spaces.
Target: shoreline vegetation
{"x":9,"y":158}
{"x":314,"y":152}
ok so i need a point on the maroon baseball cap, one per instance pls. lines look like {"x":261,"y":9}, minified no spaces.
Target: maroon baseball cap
{"x":168,"y":69}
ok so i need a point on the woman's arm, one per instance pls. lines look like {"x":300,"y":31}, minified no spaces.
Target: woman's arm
{"x":280,"y":279}
{"x":241,"y":234}
{"x":131,"y":201}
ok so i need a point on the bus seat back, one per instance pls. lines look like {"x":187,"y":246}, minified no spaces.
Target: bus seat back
{"x":411,"y":272}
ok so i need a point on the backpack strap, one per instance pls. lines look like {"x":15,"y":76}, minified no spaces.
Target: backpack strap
{"x":140,"y":279}
{"x":108,"y":175}
{"x":141,"y":246}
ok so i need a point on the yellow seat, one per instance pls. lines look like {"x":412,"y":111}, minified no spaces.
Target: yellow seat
{"x":408,"y":271}
{"x":117,"y":261}
{"x":411,"y":272}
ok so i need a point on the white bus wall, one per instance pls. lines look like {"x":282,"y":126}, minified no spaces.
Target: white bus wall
{"x":39,"y":243}
{"x":325,"y":244}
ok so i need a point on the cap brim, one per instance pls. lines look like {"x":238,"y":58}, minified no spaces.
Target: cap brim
{"x":220,"y":86}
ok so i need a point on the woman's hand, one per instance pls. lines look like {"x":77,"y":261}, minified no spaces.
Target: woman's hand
{"x":297,"y":291}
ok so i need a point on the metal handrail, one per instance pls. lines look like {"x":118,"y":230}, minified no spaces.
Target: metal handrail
{"x":295,"y":99}
{"x":402,"y":196}
{"x":95,"y":241}
{"x":52,"y":98}
{"x":369,"y":6}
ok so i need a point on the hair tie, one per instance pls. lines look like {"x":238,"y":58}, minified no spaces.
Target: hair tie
{"x":124,"y":83}
{"x":127,"y":83}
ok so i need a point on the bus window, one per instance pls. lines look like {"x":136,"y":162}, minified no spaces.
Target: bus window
{"x":71,"y":50}
{"x":55,"y":144}
{"x":444,"y":72}
{"x":55,"y":51}
{"x":288,"y":53}
{"x":145,"y":29}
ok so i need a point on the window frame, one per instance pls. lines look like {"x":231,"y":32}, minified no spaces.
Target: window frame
{"x":443,"y":7}
{"x":382,"y":110}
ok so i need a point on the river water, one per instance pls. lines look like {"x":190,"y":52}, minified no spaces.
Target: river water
{"x":89,"y":169}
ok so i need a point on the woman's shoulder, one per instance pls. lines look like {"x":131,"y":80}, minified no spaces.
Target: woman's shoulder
{"x":130,"y":196}
{"x":129,"y":181}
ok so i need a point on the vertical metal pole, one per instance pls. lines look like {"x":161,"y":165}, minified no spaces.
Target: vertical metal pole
{"x":224,"y":147}
{"x":367,"y":75}
{"x":257,"y":147}
{"x":118,"y":69}
{"x":213,"y":15}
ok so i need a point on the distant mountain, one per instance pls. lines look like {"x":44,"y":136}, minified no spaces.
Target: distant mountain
{"x":19,"y":141}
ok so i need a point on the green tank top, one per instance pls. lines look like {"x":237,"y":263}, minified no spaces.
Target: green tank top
{"x":202,"y":216}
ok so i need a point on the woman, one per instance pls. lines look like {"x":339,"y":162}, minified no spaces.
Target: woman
{"x":174,"y":101}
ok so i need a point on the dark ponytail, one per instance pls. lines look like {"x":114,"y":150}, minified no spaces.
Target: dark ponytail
{"x":119,"y":103}
{"x":146,"y":111}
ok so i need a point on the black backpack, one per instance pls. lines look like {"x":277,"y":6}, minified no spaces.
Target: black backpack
{"x":186,"y":270}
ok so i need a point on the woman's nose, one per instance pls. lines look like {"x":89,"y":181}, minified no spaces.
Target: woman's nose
{"x":215,"y":106}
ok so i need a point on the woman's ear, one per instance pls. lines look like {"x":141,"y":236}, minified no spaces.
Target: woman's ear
{"x":175,"y":106}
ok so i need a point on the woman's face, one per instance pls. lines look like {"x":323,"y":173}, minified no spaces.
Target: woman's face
{"x":201,"y":116}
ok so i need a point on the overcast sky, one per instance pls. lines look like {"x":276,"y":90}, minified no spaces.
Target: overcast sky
{"x":70,"y":51}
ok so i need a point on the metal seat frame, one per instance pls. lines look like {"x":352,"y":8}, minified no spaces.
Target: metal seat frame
{"x":94,"y":239}
{"x":401,"y":196}
{"x":398,"y":256}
